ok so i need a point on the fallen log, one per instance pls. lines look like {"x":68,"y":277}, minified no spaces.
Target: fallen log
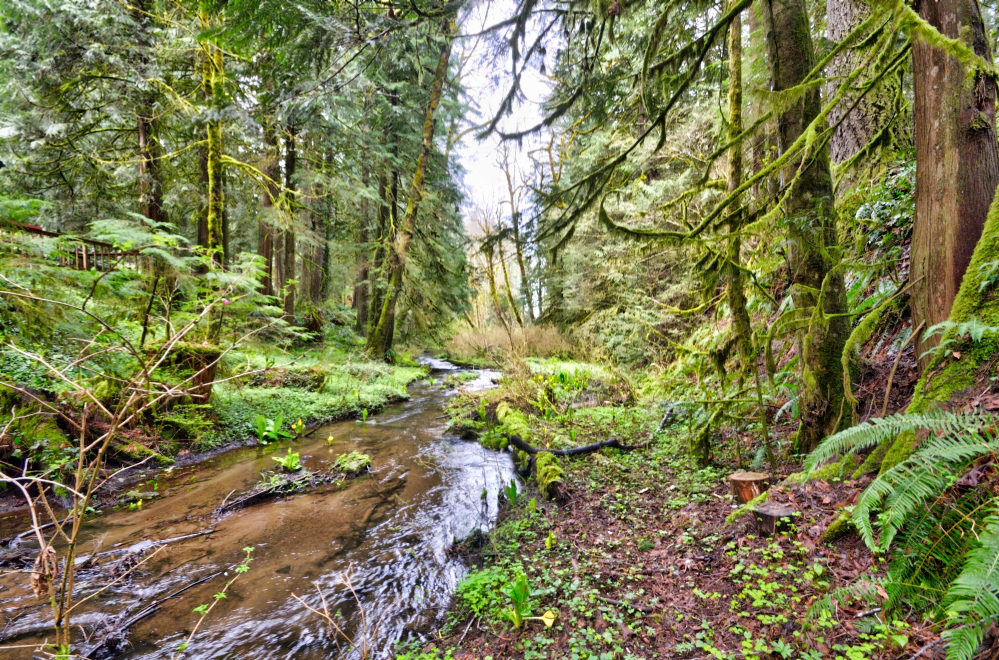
{"x":516,"y":441}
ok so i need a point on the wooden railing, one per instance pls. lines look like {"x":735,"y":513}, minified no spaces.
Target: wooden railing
{"x":86,"y":254}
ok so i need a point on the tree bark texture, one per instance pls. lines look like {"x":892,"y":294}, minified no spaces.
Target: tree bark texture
{"x":811,"y":228}
{"x":265,"y":229}
{"x":382,"y":336}
{"x":736,"y":285}
{"x":873,"y":112}
{"x":150,"y":151}
{"x":957,"y":163}
{"x":290,"y":160}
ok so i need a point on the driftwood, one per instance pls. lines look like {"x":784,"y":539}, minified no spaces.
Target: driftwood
{"x":295,"y":482}
{"x":142,"y":614}
{"x":516,"y":441}
{"x":748,"y":486}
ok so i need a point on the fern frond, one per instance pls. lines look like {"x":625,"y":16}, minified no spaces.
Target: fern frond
{"x":909,"y":485}
{"x":972,"y":599}
{"x":875,"y":431}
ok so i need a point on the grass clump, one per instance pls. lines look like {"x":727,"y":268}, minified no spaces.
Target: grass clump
{"x":347,"y":390}
{"x":354,"y":462}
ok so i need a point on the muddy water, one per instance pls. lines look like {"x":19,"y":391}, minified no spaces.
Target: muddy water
{"x":391,"y":529}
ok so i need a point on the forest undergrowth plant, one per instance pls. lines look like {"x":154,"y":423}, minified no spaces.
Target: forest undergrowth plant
{"x":205,"y":609}
{"x":111,"y":386}
{"x":360,"y":640}
{"x":937,"y":515}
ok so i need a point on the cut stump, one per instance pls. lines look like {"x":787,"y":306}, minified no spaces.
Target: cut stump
{"x":747,"y":486}
{"x":772,"y":517}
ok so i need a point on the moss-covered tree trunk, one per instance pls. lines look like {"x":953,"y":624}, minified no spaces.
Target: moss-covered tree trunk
{"x":290,"y":163}
{"x":957,"y":162}
{"x":265,"y":227}
{"x":736,"y":285}
{"x":817,"y":285}
{"x":869,"y":123}
{"x":211,"y":61}
{"x":381,"y":337}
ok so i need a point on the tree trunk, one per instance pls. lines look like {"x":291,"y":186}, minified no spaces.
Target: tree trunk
{"x":506,"y":280}
{"x":265,"y":228}
{"x":811,"y":228}
{"x":376,"y":283}
{"x":525,"y":284}
{"x":363,"y":264}
{"x":290,"y":160}
{"x":381,"y":337}
{"x":736,"y":286}
{"x":957,"y":164}
{"x":150,"y":185}
{"x":870,"y":119}
{"x":210,"y":225}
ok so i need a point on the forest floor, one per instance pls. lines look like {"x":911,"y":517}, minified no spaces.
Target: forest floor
{"x":645,"y":555}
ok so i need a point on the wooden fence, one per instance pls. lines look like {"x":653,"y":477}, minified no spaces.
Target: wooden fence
{"x":86,"y":254}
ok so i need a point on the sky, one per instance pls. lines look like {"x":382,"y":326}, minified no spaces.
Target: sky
{"x":486,"y":79}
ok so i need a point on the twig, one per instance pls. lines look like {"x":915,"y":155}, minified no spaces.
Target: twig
{"x":891,"y":374}
{"x":927,"y":648}
{"x":149,"y":609}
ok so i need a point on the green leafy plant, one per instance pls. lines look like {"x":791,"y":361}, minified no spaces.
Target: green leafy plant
{"x":511,"y":492}
{"x":204,"y":609}
{"x":290,"y":461}
{"x":936,"y":513}
{"x":519,"y":592}
{"x":269,"y":430}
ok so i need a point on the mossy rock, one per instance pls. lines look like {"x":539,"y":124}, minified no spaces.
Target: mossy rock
{"x":353,"y":463}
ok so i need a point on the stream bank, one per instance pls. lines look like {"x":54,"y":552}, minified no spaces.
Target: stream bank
{"x":646,"y":554}
{"x":390,"y":531}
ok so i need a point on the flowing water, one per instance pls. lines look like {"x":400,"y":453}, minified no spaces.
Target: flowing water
{"x":391,"y":530}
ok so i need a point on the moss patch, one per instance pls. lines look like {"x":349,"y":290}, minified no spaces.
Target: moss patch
{"x":548,"y":473}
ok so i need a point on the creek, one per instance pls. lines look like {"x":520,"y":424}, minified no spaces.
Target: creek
{"x":391,"y":530}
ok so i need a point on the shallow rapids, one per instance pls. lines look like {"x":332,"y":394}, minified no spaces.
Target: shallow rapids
{"x":391,"y":530}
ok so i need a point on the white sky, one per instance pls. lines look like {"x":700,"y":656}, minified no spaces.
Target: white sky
{"x":486,"y":79}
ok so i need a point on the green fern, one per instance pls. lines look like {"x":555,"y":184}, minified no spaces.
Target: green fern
{"x":944,"y":539}
{"x":882,"y":429}
{"x":973,"y":595}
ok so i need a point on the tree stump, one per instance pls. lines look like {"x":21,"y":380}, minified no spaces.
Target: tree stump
{"x":772,"y":517}
{"x":748,"y":485}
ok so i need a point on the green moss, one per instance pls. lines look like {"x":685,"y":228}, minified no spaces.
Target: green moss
{"x":873,"y":461}
{"x":900,"y":450}
{"x":839,"y":527}
{"x":354,"y":462}
{"x":837,"y":471}
{"x":548,"y":473}
{"x":347,"y":391}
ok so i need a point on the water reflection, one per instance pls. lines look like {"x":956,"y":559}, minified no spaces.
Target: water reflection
{"x":392,"y":530}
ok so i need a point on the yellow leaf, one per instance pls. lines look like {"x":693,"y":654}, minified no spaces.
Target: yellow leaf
{"x":549,"y":618}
